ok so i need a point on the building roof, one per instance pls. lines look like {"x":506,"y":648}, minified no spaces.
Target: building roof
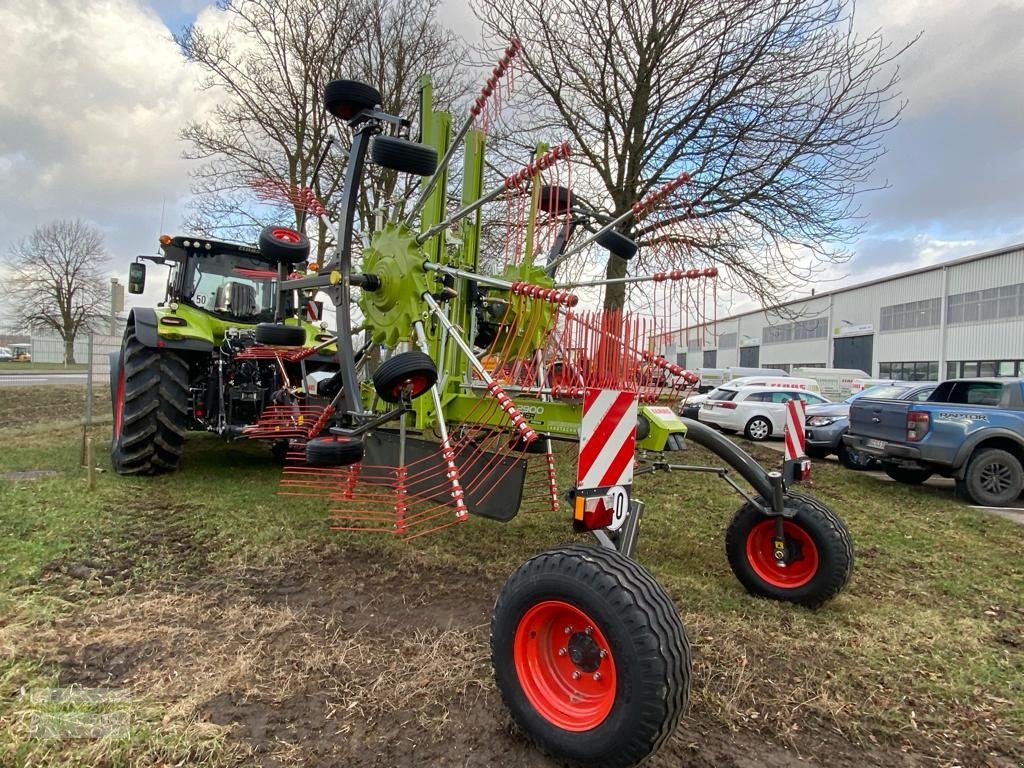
{"x":920,"y":270}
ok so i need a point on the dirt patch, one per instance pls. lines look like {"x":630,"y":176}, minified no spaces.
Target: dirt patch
{"x":342,"y":658}
{"x":61,"y":403}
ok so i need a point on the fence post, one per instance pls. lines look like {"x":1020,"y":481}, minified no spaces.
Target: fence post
{"x":87,"y":420}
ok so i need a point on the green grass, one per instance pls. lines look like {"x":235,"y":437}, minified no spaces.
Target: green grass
{"x":922,"y":650}
{"x":7,"y":367}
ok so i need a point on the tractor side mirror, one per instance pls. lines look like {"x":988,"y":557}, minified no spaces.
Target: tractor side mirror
{"x":136,"y":277}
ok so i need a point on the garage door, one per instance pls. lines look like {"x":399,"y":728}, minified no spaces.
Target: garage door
{"x":854,"y":352}
{"x":750,"y":357}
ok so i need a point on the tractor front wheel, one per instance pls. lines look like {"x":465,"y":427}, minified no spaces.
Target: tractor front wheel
{"x":150,"y":410}
{"x":590,"y":656}
{"x":819,"y":553}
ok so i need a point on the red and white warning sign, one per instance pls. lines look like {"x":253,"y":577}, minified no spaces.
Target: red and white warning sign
{"x":794,"y":432}
{"x":607,"y":439}
{"x":314,"y":311}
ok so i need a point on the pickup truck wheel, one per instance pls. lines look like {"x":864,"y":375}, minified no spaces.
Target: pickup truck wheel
{"x":906,"y":475}
{"x":820,"y":552}
{"x":994,"y":478}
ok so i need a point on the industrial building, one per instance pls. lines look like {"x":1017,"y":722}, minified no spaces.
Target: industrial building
{"x":961,"y":318}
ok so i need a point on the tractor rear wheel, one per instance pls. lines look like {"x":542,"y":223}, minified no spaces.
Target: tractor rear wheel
{"x":590,"y":656}
{"x":150,"y":410}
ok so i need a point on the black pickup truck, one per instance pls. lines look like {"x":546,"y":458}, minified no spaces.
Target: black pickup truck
{"x":969,"y":429}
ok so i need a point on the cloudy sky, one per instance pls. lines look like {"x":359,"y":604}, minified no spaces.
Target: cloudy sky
{"x":93,"y":93}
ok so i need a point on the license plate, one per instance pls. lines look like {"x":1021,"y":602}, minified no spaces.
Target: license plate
{"x":875,"y":443}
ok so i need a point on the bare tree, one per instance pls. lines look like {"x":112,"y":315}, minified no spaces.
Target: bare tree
{"x":268,"y":65}
{"x":776,"y":109}
{"x":56,"y":280}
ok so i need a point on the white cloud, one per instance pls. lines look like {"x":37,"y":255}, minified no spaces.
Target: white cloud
{"x":92,"y":96}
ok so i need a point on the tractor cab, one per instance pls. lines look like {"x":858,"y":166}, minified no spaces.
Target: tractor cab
{"x":234,"y":283}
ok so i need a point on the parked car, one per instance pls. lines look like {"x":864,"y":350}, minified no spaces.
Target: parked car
{"x":969,"y":429}
{"x":758,"y":412}
{"x":690,"y":408}
{"x":6,"y":355}
{"x":826,"y":424}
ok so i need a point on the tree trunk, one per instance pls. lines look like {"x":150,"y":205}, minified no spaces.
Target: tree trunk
{"x":615,"y":294}
{"x":69,"y":350}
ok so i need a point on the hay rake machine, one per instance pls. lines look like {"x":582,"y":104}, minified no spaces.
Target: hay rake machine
{"x":485,"y":373}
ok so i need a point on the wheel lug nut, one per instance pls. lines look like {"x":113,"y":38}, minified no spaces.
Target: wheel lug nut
{"x":576,"y":675}
{"x":568,"y":629}
{"x":562,"y":651}
{"x":603,"y":653}
{"x":597,"y":676}
{"x":588,"y":630}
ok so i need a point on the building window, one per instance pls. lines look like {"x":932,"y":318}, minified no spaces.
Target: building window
{"x":681,"y":359}
{"x":693,"y":346}
{"x":727,"y":341}
{"x":990,"y":304}
{"x":914,"y":371}
{"x":801,"y":330}
{"x":711,"y":358}
{"x":913,"y":314}
{"x":969,"y":369}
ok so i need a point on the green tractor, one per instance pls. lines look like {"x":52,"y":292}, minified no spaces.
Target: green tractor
{"x":224,"y":346}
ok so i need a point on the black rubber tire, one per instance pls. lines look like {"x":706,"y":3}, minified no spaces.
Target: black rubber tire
{"x":749,"y":435}
{"x":283,"y":244}
{"x":825,"y":529}
{"x":816,"y":453}
{"x":646,"y":641}
{"x":617,"y":243}
{"x":853,"y":460}
{"x":394,"y":373}
{"x":403,"y":155}
{"x":278,"y":335}
{"x":676,"y":442}
{"x":347,"y":98}
{"x":334,"y":451}
{"x":994,"y":478}
{"x":643,"y":426}
{"x":555,"y":200}
{"x":906,"y":475}
{"x":153,"y":389}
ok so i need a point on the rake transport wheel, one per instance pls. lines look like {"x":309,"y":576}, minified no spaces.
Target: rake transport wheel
{"x":347,"y":98}
{"x":339,"y":451}
{"x":280,"y":335}
{"x":283,"y":244}
{"x":819,"y":558}
{"x":414,"y":371}
{"x":150,"y":410}
{"x":590,"y":656}
{"x":403,"y":156}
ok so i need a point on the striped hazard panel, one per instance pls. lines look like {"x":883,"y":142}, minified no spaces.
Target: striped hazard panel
{"x":607,"y":439}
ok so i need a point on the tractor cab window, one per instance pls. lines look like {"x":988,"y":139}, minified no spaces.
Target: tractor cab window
{"x":231,"y":285}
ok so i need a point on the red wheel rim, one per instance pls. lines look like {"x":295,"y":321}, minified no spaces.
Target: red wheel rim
{"x":119,"y":408}
{"x":285,"y":235}
{"x":417,"y":384}
{"x":761,"y":550}
{"x":564,"y":665}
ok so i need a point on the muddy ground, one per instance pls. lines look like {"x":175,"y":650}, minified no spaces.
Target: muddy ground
{"x":334,"y":658}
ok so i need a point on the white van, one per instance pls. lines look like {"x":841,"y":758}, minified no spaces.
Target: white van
{"x":859,"y":385}
{"x":834,"y":383}
{"x":716,"y":377}
{"x":777,"y":382}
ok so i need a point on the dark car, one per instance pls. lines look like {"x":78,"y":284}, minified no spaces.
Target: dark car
{"x":826,"y":424}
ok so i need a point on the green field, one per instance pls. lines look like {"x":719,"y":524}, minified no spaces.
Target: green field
{"x":7,"y":368}
{"x":921,"y":658}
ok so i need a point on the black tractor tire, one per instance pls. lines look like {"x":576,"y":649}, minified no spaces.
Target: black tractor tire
{"x":403,"y":155}
{"x":820,"y":546}
{"x":413,"y":369}
{"x":347,"y":98}
{"x":858,"y":461}
{"x":555,"y":200}
{"x":334,"y":451}
{"x":279,"y":335}
{"x":617,"y":243}
{"x":596,"y":614}
{"x":994,"y":478}
{"x":817,"y":453}
{"x":150,"y":410}
{"x":906,"y":475}
{"x":754,"y":431}
{"x":283,"y":244}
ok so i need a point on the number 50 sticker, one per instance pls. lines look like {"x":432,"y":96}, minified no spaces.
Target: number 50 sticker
{"x":618,"y":500}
